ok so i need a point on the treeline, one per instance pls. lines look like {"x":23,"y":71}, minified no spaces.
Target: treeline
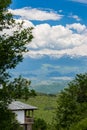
{"x":71,"y":109}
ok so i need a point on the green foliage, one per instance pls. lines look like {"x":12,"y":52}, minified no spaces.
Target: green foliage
{"x":16,"y":89}
{"x":40,"y":124}
{"x":4,"y":4}
{"x":12,"y":48}
{"x":7,"y":120}
{"x":72,"y":103}
{"x":33,"y":93}
{"x":81,"y":125}
{"x":81,"y":83}
{"x":19,"y":88}
{"x":5,"y":17}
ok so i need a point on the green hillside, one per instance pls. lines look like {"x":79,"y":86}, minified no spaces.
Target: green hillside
{"x":46,"y":106}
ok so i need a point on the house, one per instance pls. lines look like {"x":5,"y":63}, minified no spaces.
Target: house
{"x":24,"y":113}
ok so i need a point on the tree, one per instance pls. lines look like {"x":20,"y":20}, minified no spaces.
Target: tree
{"x":12,"y":48}
{"x":8,"y":121}
{"x":40,"y":124}
{"x":33,"y":93}
{"x":5,"y":17}
{"x":20,"y":88}
{"x":81,"y":125}
{"x":72,"y":103}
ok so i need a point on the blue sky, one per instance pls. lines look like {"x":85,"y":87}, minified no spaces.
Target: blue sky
{"x":59,"y":48}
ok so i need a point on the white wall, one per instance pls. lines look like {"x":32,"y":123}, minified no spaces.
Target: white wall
{"x":20,"y":116}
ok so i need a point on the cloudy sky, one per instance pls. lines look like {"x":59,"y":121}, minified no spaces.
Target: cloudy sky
{"x":59,"y":48}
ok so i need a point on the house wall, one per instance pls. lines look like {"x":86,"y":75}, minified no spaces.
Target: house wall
{"x":20,"y":116}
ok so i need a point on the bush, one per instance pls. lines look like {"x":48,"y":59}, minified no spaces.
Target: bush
{"x":40,"y":124}
{"x":81,"y":125}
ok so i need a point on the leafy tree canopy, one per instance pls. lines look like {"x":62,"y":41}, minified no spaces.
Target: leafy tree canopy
{"x":81,"y":125}
{"x":8,"y":121}
{"x":72,"y":103}
{"x":40,"y":124}
{"x":12,"y":47}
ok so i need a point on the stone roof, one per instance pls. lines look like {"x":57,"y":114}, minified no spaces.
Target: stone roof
{"x":17,"y":105}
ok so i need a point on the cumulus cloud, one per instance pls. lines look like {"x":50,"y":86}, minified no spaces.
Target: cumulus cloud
{"x":35,"y":14}
{"x":59,"y":37}
{"x":75,"y":52}
{"x":78,"y":27}
{"x":52,"y":37}
{"x":74,"y":17}
{"x":57,"y":41}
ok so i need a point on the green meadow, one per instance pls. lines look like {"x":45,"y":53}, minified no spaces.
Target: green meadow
{"x":46,"y":105}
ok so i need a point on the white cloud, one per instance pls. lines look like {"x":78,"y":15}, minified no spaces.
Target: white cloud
{"x":61,"y":78}
{"x":78,"y":51}
{"x":74,"y":17}
{"x":57,"y":37}
{"x":75,"y":52}
{"x":80,"y":1}
{"x":36,"y":14}
{"x":57,"y":41}
{"x":77,"y":26}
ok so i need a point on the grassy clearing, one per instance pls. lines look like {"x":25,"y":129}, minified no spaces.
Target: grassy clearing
{"x":46,"y":106}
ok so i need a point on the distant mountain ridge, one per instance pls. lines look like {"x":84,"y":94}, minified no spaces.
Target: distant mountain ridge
{"x":51,"y":88}
{"x":50,"y":75}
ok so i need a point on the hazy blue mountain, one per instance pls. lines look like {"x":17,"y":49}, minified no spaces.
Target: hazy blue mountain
{"x":50,"y":75}
{"x":50,"y":88}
